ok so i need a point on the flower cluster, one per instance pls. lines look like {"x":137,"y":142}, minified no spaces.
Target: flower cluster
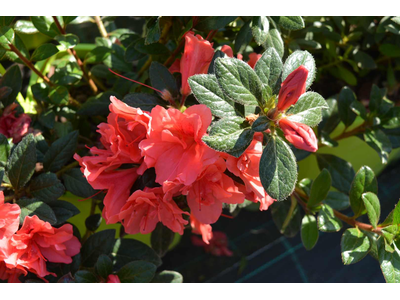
{"x":12,"y":126}
{"x":28,"y":248}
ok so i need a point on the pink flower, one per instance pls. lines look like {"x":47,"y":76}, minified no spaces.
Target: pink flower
{"x":205,"y":230}
{"x":218,"y":245}
{"x":12,"y":126}
{"x":196,"y":59}
{"x":144,"y":209}
{"x":113,"y":279}
{"x":300,"y":135}
{"x":212,"y":188}
{"x":247,"y":168}
{"x":253,"y":59}
{"x":292,"y":88}
{"x":37,"y":242}
{"x":174,"y":146}
{"x":11,"y":275}
{"x":9,"y":218}
{"x":227,"y":50}
{"x":175,"y":67}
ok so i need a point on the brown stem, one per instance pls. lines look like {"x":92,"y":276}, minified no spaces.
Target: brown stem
{"x":101,"y":26}
{"x":92,"y":85}
{"x":30,"y":65}
{"x":67,"y":167}
{"x":346,"y":134}
{"x":145,"y":66}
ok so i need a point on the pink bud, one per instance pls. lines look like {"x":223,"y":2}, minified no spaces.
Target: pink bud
{"x":292,"y":88}
{"x":300,"y":135}
{"x":227,"y":50}
{"x":113,"y":279}
{"x":253,"y":59}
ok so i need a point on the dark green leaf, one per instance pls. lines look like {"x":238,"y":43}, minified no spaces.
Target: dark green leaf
{"x":93,"y":222}
{"x":359,"y":109}
{"x":217,"y":54}
{"x":161,"y":239}
{"x":97,"y":244}
{"x":278,"y":169}
{"x":337,"y":200}
{"x":152,"y":49}
{"x":116,"y":60}
{"x":243,"y":38}
{"x":346,"y":75}
{"x":364,"y":60}
{"x":355,"y":245}
{"x":260,"y":28}
{"x":291,"y":23}
{"x":213,"y":23}
{"x":44,"y":51}
{"x":389,"y":262}
{"x":5,"y":148}
{"x":47,"y":119}
{"x":12,"y":79}
{"x":67,"y":41}
{"x":97,"y":105}
{"x":34,"y":207}
{"x":390,"y":50}
{"x":229,"y":135}
{"x":330,"y":117}
{"x":127,"y":250}
{"x":327,"y":221}
{"x":77,"y":184}
{"x":162,"y":79}
{"x":261,"y":124}
{"x":137,"y":272}
{"x":280,"y":211}
{"x":84,"y":276}
{"x":342,"y":172}
{"x":145,"y":102}
{"x":274,"y":40}
{"x":59,"y":95}
{"x":305,"y":184}
{"x":6,"y":20}
{"x":373,"y":207}
{"x":378,"y":141}
{"x":46,"y":25}
{"x":320,"y":188}
{"x":297,"y":59}
{"x":63,"y":210}
{"x":364,"y":181}
{"x":104,"y":266}
{"x":46,"y":187}
{"x":307,"y":109}
{"x":6,"y":37}
{"x":269,"y":67}
{"x":60,"y":152}
{"x":68,"y":19}
{"x":21,"y":163}
{"x":396,"y":214}
{"x":238,"y":81}
{"x":153,"y":32}
{"x":309,"y":231}
{"x":394,"y":137}
{"x":207,"y":91}
{"x":97,"y":55}
{"x":168,"y":277}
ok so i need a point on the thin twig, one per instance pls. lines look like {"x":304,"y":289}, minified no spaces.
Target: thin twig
{"x":101,"y":26}
{"x":67,"y":167}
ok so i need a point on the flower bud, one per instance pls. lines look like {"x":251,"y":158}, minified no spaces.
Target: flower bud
{"x":292,"y":88}
{"x":300,"y":135}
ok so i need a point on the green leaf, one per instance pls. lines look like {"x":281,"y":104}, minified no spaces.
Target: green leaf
{"x":269,"y":68}
{"x":97,"y":55}
{"x":60,"y":152}
{"x":238,"y":81}
{"x":47,"y":118}
{"x":162,"y":79}
{"x":309,"y":231}
{"x":278,"y":169}
{"x":59,"y":95}
{"x":396,"y":214}
{"x":364,"y":181}
{"x":364,"y":60}
{"x":34,"y":207}
{"x":291,"y":23}
{"x":153,"y":32}
{"x":67,"y":41}
{"x":44,"y":51}
{"x":280,"y":211}
{"x":69,"y":19}
{"x":337,"y":200}
{"x":168,"y":277}
{"x":25,"y":27}
{"x":213,"y":23}
{"x":307,"y":109}
{"x":229,"y":135}
{"x":359,"y":109}
{"x":93,"y":222}
{"x":274,"y":40}
{"x":243,"y":38}
{"x":394,"y":136}
{"x":305,"y":184}
{"x":355,"y":245}
{"x":97,"y":244}
{"x":137,"y":272}
{"x":378,"y":141}
{"x":6,"y":20}
{"x":77,"y":184}
{"x":5,"y":148}
{"x":260,"y":28}
{"x":161,"y":239}
{"x":152,"y":49}
{"x":297,"y":59}
{"x":84,"y":276}
{"x":389,"y":262}
{"x":373,"y":207}
{"x":330,"y":117}
{"x":320,"y":188}
{"x":6,"y":37}
{"x":375,"y":99}
{"x":116,"y":60}
{"x":207,"y":91}
{"x":63,"y":210}
{"x":46,"y":187}
{"x":46,"y":25}
{"x":346,"y":75}
{"x":390,"y":50}
{"x":217,"y":54}
{"x":12,"y":79}
{"x":143,"y":101}
{"x":341,"y":171}
{"x":104,"y":266}
{"x":261,"y":124}
{"x":127,"y":250}
{"x":21,"y":163}
{"x":327,"y":221}
{"x":98,"y":105}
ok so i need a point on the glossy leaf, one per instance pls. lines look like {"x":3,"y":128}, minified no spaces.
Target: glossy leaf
{"x":137,"y":272}
{"x":373,"y":207}
{"x":162,"y":79}
{"x":46,"y":25}
{"x":309,"y":231}
{"x":243,"y":38}
{"x":307,"y":109}
{"x":389,"y":262}
{"x":355,"y":245}
{"x":59,"y":95}
{"x":63,"y":210}
{"x":280,"y":211}
{"x":297,"y":59}
{"x":168,"y":277}
{"x":278,"y":169}
{"x":6,"y":37}
{"x":12,"y":79}
{"x":46,"y":187}
{"x":104,"y":266}
{"x":161,"y":239}
{"x":337,"y":200}
{"x":319,"y":188}
{"x":327,"y":221}
{"x":77,"y":184}
{"x":67,"y":41}
{"x":34,"y":207}
{"x":346,"y":98}
{"x":44,"y":51}
{"x":60,"y":152}
{"x":378,"y":141}
{"x":97,"y":244}
{"x":269,"y":67}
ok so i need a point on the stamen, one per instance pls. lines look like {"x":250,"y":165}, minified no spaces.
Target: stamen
{"x":226,"y":216}
{"x":135,"y":81}
{"x":80,"y":200}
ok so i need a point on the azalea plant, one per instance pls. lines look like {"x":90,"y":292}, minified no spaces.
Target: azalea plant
{"x":165,"y":127}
